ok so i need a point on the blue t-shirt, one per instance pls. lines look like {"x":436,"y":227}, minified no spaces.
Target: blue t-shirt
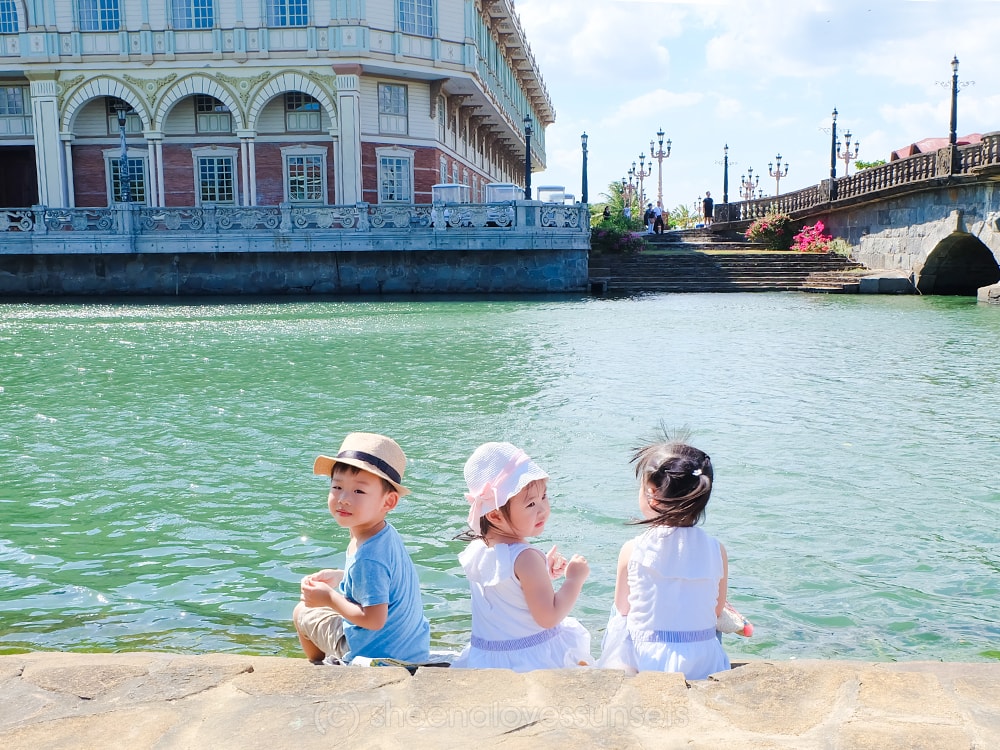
{"x":381,"y":571}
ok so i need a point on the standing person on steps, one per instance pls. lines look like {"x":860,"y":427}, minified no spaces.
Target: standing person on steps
{"x":707,"y":206}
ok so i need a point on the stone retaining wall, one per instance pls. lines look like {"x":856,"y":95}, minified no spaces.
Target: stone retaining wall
{"x":318,"y":272}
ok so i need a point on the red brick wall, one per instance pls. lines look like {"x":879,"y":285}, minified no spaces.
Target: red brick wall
{"x":90,"y":185}
{"x":178,"y":175}
{"x":270,"y":173}
{"x":426,"y":171}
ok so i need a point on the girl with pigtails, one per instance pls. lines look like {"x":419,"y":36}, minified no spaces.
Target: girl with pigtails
{"x":671,"y":583}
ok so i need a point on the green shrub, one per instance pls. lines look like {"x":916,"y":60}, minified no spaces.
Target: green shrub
{"x":840,"y":246}
{"x":774,"y":231}
{"x":605,"y":239}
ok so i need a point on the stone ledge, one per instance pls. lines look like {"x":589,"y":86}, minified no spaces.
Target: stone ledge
{"x":141,"y":700}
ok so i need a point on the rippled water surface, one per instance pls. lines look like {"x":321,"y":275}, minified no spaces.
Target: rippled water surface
{"x":155,"y":485}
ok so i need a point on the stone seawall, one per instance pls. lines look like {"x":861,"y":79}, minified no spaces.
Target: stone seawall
{"x":144,"y":700}
{"x":547,"y":270}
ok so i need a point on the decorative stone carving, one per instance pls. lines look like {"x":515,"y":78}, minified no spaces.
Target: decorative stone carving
{"x":245,"y":85}
{"x":151,"y":87}
{"x":63,"y":87}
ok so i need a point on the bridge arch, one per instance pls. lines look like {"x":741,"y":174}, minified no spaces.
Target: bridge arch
{"x":958,"y":265}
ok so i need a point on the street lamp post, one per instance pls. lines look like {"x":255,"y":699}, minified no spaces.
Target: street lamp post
{"x":847,"y":156}
{"x":124,"y":178}
{"x":953,"y":131}
{"x":748,"y":184}
{"x":955,"y":85}
{"x":659,"y":155}
{"x":583,"y":186}
{"x":777,"y":174}
{"x":527,"y":157}
{"x":641,"y":174}
{"x":833,"y":146}
{"x":725,"y":174}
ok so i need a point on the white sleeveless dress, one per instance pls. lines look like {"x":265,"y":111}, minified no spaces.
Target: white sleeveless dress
{"x":673,"y":577}
{"x":504,"y":634}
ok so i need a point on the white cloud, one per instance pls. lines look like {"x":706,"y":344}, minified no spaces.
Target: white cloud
{"x":760,"y":75}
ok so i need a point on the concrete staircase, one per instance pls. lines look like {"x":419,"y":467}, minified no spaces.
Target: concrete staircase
{"x":678,"y":262}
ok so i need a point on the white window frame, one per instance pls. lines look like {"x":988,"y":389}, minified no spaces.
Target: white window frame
{"x":415,"y":17}
{"x":403,"y":159}
{"x":219,"y":152}
{"x":112,"y":161}
{"x":304,"y":118}
{"x":293,"y":152}
{"x":15,"y":120}
{"x":133,"y":123}
{"x":287,"y":13}
{"x":442,"y":115}
{"x":192,"y":14}
{"x":393,"y":115}
{"x":99,"y":15}
{"x":217,"y":120}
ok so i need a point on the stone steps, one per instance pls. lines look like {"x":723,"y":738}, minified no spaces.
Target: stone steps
{"x":739,"y":270}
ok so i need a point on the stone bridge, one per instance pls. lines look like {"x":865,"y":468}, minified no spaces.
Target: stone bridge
{"x":935,"y":217}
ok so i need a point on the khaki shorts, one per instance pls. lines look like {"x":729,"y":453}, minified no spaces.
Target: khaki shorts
{"x":324,"y":627}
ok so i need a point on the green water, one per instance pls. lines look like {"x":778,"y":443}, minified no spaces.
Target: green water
{"x":155,"y":485}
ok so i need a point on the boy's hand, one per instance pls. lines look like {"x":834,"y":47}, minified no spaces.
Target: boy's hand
{"x":577,"y":569}
{"x":330,"y":576}
{"x":316,"y":593}
{"x":556,"y":562}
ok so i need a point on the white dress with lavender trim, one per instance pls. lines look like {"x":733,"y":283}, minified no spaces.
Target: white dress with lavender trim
{"x":504,"y":634}
{"x":673,"y":577}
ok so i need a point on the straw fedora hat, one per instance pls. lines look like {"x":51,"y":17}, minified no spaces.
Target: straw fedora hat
{"x":377,"y":454}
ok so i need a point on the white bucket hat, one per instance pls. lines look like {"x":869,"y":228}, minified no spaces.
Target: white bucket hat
{"x":495,"y":472}
{"x":373,"y":453}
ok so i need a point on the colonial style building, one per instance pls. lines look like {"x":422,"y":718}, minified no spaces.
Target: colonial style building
{"x":263,"y":102}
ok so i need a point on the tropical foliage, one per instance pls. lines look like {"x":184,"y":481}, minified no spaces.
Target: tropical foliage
{"x":774,"y":231}
{"x":868,"y":164}
{"x":613,"y":240}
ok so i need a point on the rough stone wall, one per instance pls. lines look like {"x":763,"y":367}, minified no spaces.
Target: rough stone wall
{"x":902,"y":232}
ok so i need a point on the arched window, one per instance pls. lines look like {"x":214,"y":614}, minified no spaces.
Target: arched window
{"x":8,"y":17}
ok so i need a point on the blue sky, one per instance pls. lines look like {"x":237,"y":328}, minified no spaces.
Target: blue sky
{"x":760,"y":75}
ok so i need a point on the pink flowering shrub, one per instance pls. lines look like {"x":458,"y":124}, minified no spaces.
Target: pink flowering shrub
{"x":812,"y":240}
{"x":616,"y":241}
{"x":774,"y":231}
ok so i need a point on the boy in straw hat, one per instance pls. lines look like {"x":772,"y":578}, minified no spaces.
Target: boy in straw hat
{"x":372,"y":608}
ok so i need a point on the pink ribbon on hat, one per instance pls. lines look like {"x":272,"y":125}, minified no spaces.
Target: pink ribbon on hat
{"x":487,"y":498}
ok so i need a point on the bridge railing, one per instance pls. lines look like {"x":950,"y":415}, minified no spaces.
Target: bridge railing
{"x":914,"y":169}
{"x":901,"y":172}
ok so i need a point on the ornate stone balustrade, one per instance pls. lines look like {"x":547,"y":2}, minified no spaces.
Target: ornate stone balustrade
{"x":134,"y":219}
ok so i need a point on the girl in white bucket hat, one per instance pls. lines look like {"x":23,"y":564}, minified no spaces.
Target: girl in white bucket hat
{"x":518,"y":621}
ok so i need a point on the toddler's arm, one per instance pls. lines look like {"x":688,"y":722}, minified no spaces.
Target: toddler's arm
{"x":317,"y":592}
{"x":548,"y":607}
{"x":621,"y":579}
{"x":723,"y":583}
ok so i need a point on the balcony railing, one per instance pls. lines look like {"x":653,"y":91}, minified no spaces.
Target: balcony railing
{"x":126,"y":218}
